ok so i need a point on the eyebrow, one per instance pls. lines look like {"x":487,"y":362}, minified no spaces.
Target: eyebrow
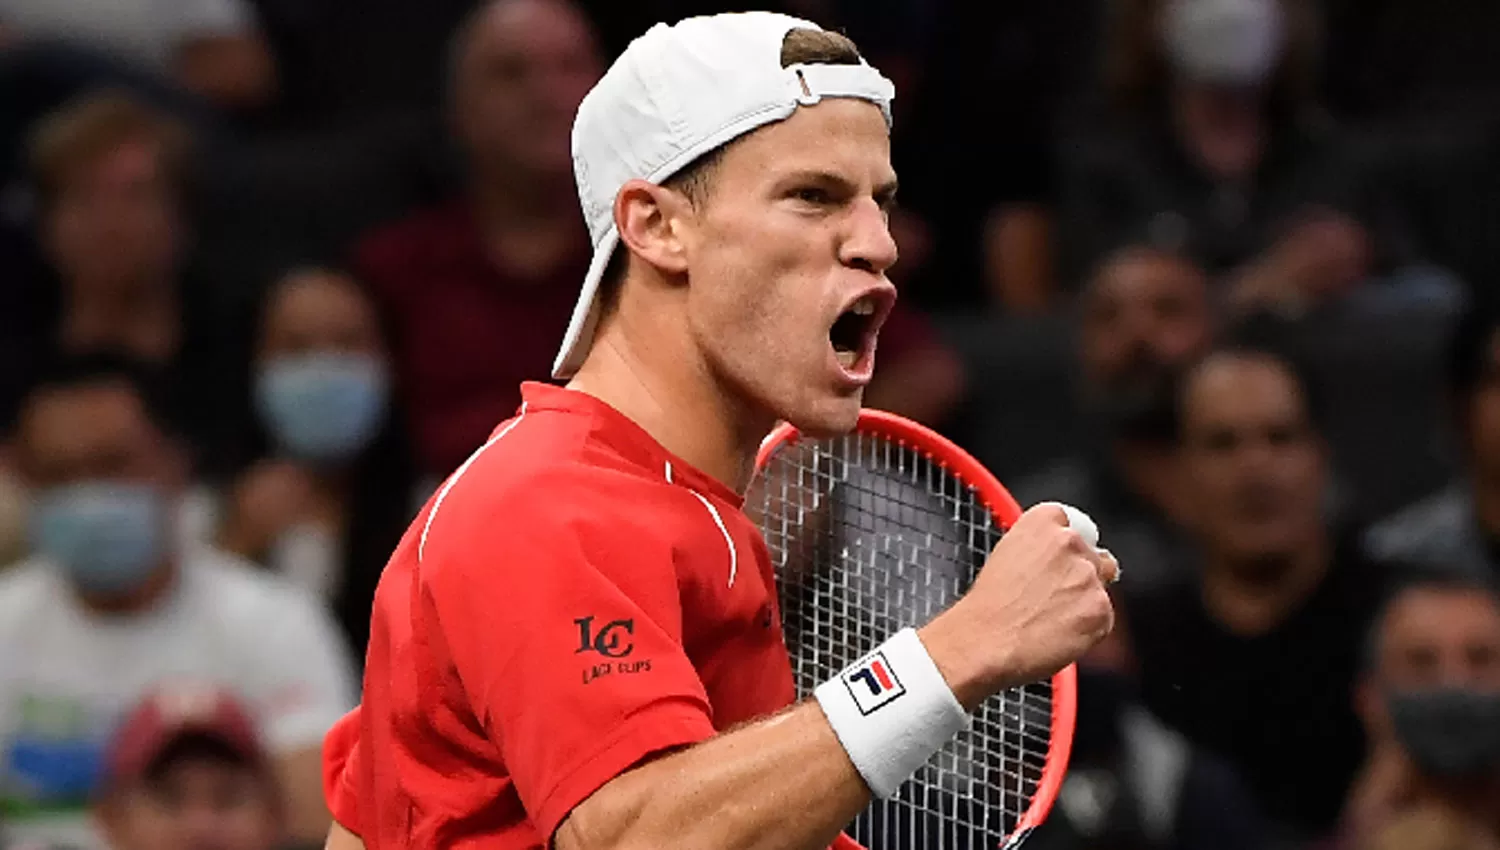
{"x":884,"y":194}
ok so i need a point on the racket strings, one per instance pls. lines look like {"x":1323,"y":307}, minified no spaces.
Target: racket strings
{"x":867,"y":537}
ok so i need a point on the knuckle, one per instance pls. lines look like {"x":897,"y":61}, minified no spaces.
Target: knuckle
{"x":1049,"y":513}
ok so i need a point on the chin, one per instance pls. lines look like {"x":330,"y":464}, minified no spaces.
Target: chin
{"x":827,"y":418}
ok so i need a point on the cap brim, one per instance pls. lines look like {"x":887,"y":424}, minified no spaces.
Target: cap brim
{"x":580,"y":336}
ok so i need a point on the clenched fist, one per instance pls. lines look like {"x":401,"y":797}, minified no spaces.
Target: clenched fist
{"x":1038,"y":604}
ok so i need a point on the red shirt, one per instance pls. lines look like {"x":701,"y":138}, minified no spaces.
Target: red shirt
{"x":464,"y":331}
{"x":573,"y":600}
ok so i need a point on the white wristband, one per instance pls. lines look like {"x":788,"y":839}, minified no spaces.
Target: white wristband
{"x":892,"y":710}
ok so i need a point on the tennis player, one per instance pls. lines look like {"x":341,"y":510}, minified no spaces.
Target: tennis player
{"x":577,"y":642}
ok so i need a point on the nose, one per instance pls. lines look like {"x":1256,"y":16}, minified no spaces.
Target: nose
{"x":869,"y":245}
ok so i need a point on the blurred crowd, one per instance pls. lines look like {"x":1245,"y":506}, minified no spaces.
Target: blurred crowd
{"x":1219,"y":272}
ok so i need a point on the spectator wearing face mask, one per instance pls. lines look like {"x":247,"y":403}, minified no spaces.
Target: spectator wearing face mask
{"x":334,"y":486}
{"x":1429,"y":699}
{"x":111,"y":602}
{"x":1212,"y":144}
{"x":1144,"y":317}
{"x":187,"y":769}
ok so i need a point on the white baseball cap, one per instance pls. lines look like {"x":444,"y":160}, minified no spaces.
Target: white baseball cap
{"x":677,"y":93}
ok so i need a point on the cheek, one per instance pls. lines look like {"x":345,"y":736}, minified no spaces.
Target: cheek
{"x":1302,"y":474}
{"x":750,"y":285}
{"x":67,"y":230}
{"x":148,"y":826}
{"x":1179,"y":343}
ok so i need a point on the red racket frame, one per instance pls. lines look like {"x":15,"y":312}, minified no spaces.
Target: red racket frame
{"x":908,"y":434}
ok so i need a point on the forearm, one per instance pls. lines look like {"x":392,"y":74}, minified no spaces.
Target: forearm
{"x":784,"y":783}
{"x":342,"y":839}
{"x":789,"y":782}
{"x":300,"y":777}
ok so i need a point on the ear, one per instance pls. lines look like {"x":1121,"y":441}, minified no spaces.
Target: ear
{"x":649,"y":219}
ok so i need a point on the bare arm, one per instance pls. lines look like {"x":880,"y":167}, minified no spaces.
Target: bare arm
{"x":342,"y":839}
{"x":780,"y":783}
{"x":300,"y":776}
{"x":786,"y":783}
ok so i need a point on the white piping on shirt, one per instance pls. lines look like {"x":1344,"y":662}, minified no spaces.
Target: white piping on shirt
{"x":458,"y":473}
{"x":713,"y":512}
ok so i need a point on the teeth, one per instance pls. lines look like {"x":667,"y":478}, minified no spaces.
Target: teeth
{"x":864,"y":307}
{"x":847,"y":358}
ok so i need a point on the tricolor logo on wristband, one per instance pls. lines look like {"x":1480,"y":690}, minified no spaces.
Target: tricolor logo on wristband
{"x":873,"y":683}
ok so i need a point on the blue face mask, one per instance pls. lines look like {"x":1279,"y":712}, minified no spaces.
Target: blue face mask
{"x":108,"y":536}
{"x":322,"y":408}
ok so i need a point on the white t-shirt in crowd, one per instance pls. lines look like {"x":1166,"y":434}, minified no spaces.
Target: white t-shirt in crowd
{"x":67,"y":676}
{"x":144,"y":32}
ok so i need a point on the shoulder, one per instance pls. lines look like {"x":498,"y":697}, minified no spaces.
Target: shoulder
{"x":239,"y":592}
{"x":1428,"y":523}
{"x":542,"y":481}
{"x":23,"y":585}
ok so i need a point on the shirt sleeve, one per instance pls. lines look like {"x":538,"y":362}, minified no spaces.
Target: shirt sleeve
{"x":307,"y":681}
{"x":567,"y":639}
{"x":340,"y":750}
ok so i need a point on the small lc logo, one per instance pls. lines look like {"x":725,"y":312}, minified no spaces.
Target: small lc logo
{"x":873,"y":683}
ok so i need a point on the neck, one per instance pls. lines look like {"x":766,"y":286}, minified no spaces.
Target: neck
{"x":527,"y":226}
{"x":512,"y":198}
{"x":648,"y":374}
{"x":140,"y":315}
{"x":1253,"y":600}
{"x":1223,"y":133}
{"x":143,"y":598}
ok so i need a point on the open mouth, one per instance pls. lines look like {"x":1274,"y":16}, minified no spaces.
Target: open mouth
{"x":853,"y":331}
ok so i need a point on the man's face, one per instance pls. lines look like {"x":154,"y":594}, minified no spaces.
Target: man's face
{"x":1440,"y":638}
{"x":792,"y":236}
{"x":1252,"y":460}
{"x":318,"y":312}
{"x":1431,"y":639}
{"x":97,"y":432}
{"x":114,"y":222}
{"x":1145,"y":317}
{"x":519,"y":83}
{"x":196,"y":804}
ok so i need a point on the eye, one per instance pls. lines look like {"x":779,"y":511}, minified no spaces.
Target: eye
{"x":812,"y":195}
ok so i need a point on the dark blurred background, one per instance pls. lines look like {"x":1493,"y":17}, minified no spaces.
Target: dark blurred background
{"x":1222,"y":273}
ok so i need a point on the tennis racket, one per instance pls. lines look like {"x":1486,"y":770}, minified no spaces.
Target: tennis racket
{"x":886,"y":527}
